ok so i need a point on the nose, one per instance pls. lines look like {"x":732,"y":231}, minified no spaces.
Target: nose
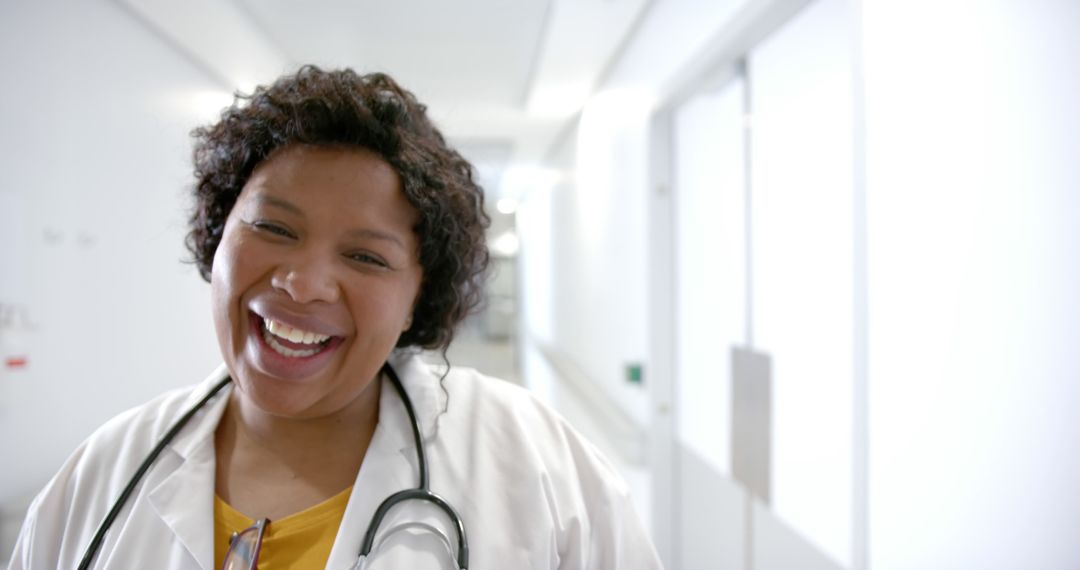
{"x":307,"y":279}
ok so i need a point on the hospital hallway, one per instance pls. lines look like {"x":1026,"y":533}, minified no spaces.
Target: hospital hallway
{"x":803,"y":272}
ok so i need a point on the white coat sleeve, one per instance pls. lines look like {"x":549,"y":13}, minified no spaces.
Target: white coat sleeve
{"x":619,"y":539}
{"x":46,"y":530}
{"x":611,"y":534}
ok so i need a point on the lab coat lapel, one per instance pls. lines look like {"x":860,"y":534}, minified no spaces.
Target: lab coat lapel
{"x":390,"y":464}
{"x":184,"y":499}
{"x":427,"y":396}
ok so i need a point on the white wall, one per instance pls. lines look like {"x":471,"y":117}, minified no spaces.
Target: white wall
{"x":802,"y":246}
{"x":599,"y":279}
{"x":973,"y":131}
{"x":709,"y":194}
{"x":96,"y":161}
{"x":763,"y":235}
{"x":970,"y":130}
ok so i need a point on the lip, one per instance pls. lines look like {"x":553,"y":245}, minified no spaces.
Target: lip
{"x":267,"y":309}
{"x":269,"y":361}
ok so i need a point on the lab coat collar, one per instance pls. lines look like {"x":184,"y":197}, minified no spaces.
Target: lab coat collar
{"x":390,"y":464}
{"x":418,"y":379}
{"x":192,"y":480}
{"x":420,"y":383}
{"x":427,"y":396}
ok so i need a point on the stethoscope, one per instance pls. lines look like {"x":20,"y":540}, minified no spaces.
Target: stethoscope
{"x":421,"y":492}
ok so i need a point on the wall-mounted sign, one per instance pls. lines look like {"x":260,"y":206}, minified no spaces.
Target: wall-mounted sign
{"x":15,"y":325}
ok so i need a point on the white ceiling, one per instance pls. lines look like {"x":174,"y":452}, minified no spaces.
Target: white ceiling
{"x":501,"y":77}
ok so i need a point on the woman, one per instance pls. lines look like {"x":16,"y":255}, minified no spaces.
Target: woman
{"x":339,"y":235}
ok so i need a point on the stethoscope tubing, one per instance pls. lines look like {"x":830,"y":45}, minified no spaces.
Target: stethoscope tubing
{"x":99,"y":536}
{"x":421,"y":492}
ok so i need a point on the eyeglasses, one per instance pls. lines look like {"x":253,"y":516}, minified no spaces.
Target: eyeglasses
{"x":244,"y":547}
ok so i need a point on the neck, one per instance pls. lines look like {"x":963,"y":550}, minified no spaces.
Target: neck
{"x":285,"y":436}
{"x":268,"y":463}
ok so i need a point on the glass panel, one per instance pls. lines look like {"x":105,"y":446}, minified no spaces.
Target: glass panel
{"x":802,"y":258}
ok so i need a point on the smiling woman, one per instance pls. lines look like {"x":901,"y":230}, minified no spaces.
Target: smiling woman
{"x":340,"y":235}
{"x":319,"y":243}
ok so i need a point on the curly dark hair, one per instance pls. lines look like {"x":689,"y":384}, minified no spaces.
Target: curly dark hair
{"x":344,"y":109}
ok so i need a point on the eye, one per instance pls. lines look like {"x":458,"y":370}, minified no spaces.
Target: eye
{"x":272,"y":228}
{"x":368,"y":259}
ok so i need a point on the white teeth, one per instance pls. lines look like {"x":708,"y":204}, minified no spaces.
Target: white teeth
{"x":294,"y":335}
{"x":288,"y":352}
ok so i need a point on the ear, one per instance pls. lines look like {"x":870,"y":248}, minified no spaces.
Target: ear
{"x":412,"y":309}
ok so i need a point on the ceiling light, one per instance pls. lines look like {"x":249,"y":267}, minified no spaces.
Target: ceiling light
{"x":557,"y":101}
{"x":245,"y":86}
{"x":520,"y":179}
{"x":507,"y":205}
{"x":208,"y":105}
{"x":506,"y":245}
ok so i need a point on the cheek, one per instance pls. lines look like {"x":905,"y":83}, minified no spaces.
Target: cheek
{"x":222,"y":307}
{"x":225,"y":284}
{"x":234,"y":261}
{"x":382,"y":310}
{"x":226,"y":252}
{"x":219,"y":298}
{"x":221,"y":279}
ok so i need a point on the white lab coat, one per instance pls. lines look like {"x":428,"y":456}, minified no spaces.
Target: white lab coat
{"x":531,"y":492}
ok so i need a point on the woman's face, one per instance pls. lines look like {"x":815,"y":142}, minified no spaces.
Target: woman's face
{"x":315,"y":279}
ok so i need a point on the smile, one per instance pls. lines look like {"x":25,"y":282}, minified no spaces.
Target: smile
{"x":292,"y":342}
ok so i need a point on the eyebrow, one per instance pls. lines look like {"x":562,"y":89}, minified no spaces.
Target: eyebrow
{"x":364,"y":233}
{"x":283,"y":204}
{"x":375,"y":234}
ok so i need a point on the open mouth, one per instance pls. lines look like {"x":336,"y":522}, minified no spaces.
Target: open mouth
{"x":292,"y":342}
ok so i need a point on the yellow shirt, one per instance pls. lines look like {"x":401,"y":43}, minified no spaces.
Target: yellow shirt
{"x":301,"y":540}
